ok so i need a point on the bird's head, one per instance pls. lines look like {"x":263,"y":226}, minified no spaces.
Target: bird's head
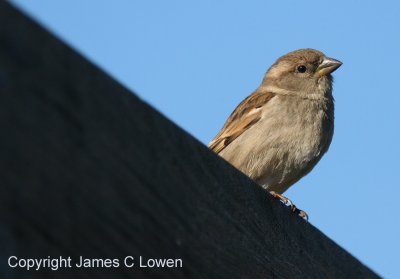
{"x":305,"y":71}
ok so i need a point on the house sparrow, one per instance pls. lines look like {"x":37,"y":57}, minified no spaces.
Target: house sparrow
{"x":280,"y":132}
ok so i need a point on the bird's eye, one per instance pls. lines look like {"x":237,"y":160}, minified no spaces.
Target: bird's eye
{"x":301,"y":69}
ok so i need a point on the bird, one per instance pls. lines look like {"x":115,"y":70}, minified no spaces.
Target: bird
{"x":279,"y":133}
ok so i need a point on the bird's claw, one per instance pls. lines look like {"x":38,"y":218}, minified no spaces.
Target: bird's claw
{"x":283,"y":199}
{"x":302,"y":214}
{"x":288,"y":202}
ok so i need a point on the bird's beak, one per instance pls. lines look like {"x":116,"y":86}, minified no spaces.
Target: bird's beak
{"x":327,"y":66}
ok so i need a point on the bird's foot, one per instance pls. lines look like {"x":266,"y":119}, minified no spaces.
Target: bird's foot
{"x":301,"y":213}
{"x":288,"y":202}
{"x":283,"y":199}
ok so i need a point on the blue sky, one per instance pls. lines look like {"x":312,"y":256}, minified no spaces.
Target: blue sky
{"x":196,"y":60}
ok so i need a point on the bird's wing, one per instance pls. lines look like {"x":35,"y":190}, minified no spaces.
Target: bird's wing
{"x":246,"y":114}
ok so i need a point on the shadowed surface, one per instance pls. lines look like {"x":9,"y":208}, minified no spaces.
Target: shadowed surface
{"x":90,"y":170}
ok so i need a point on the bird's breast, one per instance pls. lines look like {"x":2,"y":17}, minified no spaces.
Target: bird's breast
{"x":285,"y":144}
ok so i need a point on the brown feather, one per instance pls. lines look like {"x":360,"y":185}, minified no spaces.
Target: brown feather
{"x":242,"y":118}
